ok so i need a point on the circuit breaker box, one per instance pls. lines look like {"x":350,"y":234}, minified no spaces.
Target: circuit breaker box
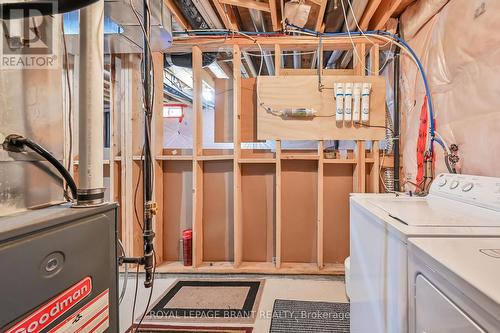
{"x":59,"y":270}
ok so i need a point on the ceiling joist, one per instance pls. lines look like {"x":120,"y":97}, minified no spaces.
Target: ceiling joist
{"x":368,"y":14}
{"x":226,"y":20}
{"x":250,"y":4}
{"x":177,"y":14}
{"x":384,"y":13}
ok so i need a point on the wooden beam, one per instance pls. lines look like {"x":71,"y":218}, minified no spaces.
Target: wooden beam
{"x":277,"y":71}
{"x":321,"y":15}
{"x":276,"y":22}
{"x":383,"y":14}
{"x":226,"y":20}
{"x":320,"y":217}
{"x":293,"y":43}
{"x":250,"y":4}
{"x":157,"y":148}
{"x":237,"y":193}
{"x":197,"y":163}
{"x":176,"y":12}
{"x":368,"y":14}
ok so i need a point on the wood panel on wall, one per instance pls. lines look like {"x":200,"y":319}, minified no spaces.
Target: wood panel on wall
{"x":299,"y":189}
{"x":258,"y":211}
{"x":218,"y":211}
{"x":338,"y":184}
{"x":177,"y":205}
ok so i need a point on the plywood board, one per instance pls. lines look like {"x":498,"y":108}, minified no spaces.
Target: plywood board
{"x":299,"y":211}
{"x":217,"y":211}
{"x":338,"y":184}
{"x":249,"y":110}
{"x":280,"y":92}
{"x":223,"y":110}
{"x":177,"y":205}
{"x":258,"y":211}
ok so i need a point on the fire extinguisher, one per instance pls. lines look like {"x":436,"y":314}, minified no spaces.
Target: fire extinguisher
{"x":187,"y":246}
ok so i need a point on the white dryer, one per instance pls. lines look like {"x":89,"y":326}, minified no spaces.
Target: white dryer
{"x":457,"y":206}
{"x":454,"y":285}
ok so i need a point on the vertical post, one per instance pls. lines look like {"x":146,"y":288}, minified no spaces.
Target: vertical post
{"x":90,"y":143}
{"x":320,"y":259}
{"x":238,"y":227}
{"x":197,"y":162}
{"x":148,"y":234}
{"x":277,"y":66}
{"x":359,"y":178}
{"x":157,"y":149}
{"x":397,"y":142}
{"x":375,"y":68}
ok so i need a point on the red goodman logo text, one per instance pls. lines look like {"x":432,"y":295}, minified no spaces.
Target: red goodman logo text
{"x":55,"y":308}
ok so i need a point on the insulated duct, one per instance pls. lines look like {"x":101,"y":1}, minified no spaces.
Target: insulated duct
{"x":17,"y":10}
{"x":90,"y":172}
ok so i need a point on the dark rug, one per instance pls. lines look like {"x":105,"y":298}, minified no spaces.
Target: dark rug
{"x":208,"y":301}
{"x":304,"y":317}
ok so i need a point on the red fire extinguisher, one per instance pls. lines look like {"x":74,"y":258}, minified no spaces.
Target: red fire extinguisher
{"x":187,"y":244}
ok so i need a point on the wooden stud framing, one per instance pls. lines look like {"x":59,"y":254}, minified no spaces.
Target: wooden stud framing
{"x":126,"y":72}
{"x":321,"y":14}
{"x":368,"y":14}
{"x":274,"y":15}
{"x":179,"y":17}
{"x":226,"y":20}
{"x":321,"y":148}
{"x":277,"y":71}
{"x":237,"y":216}
{"x":384,"y":13}
{"x":250,"y":4}
{"x":197,"y":162}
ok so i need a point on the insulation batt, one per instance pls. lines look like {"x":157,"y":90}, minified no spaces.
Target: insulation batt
{"x":460,"y":49}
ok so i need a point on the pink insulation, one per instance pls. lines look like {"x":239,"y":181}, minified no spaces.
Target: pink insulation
{"x":459,"y":47}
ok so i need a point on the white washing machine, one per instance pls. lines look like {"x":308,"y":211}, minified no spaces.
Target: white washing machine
{"x":454,"y":285}
{"x":457,"y":206}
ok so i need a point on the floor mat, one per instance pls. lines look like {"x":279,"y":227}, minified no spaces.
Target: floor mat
{"x":304,"y":317}
{"x":208,"y":301}
{"x":192,"y":329}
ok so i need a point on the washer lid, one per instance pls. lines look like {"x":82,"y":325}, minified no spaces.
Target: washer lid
{"x":475,"y":261}
{"x":434,"y":211}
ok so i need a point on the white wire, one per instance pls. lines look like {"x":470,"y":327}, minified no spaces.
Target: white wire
{"x":446,"y":147}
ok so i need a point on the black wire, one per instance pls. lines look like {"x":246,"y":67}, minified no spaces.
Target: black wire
{"x":377,"y":126}
{"x":135,"y":193}
{"x":52,"y":160}
{"x":135,"y":293}
{"x":70,"y":107}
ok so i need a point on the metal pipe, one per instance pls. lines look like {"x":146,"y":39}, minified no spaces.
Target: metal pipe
{"x":148,"y":234}
{"x":90,"y":171}
{"x":396,"y":118}
{"x":258,"y":23}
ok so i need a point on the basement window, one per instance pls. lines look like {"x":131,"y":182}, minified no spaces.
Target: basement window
{"x":173,"y":111}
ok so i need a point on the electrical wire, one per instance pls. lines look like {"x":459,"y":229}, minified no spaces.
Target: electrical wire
{"x":125,"y":278}
{"x":150,"y":294}
{"x":70,"y":109}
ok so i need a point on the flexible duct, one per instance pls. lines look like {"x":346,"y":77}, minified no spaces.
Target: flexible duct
{"x":17,"y":10}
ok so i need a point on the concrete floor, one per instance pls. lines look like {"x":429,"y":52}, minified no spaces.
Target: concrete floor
{"x":307,"y":288}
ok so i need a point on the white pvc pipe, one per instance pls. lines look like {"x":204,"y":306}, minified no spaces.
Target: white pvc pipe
{"x":90,"y":140}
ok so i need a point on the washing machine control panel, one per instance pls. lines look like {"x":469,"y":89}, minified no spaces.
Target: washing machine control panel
{"x":476,"y":190}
